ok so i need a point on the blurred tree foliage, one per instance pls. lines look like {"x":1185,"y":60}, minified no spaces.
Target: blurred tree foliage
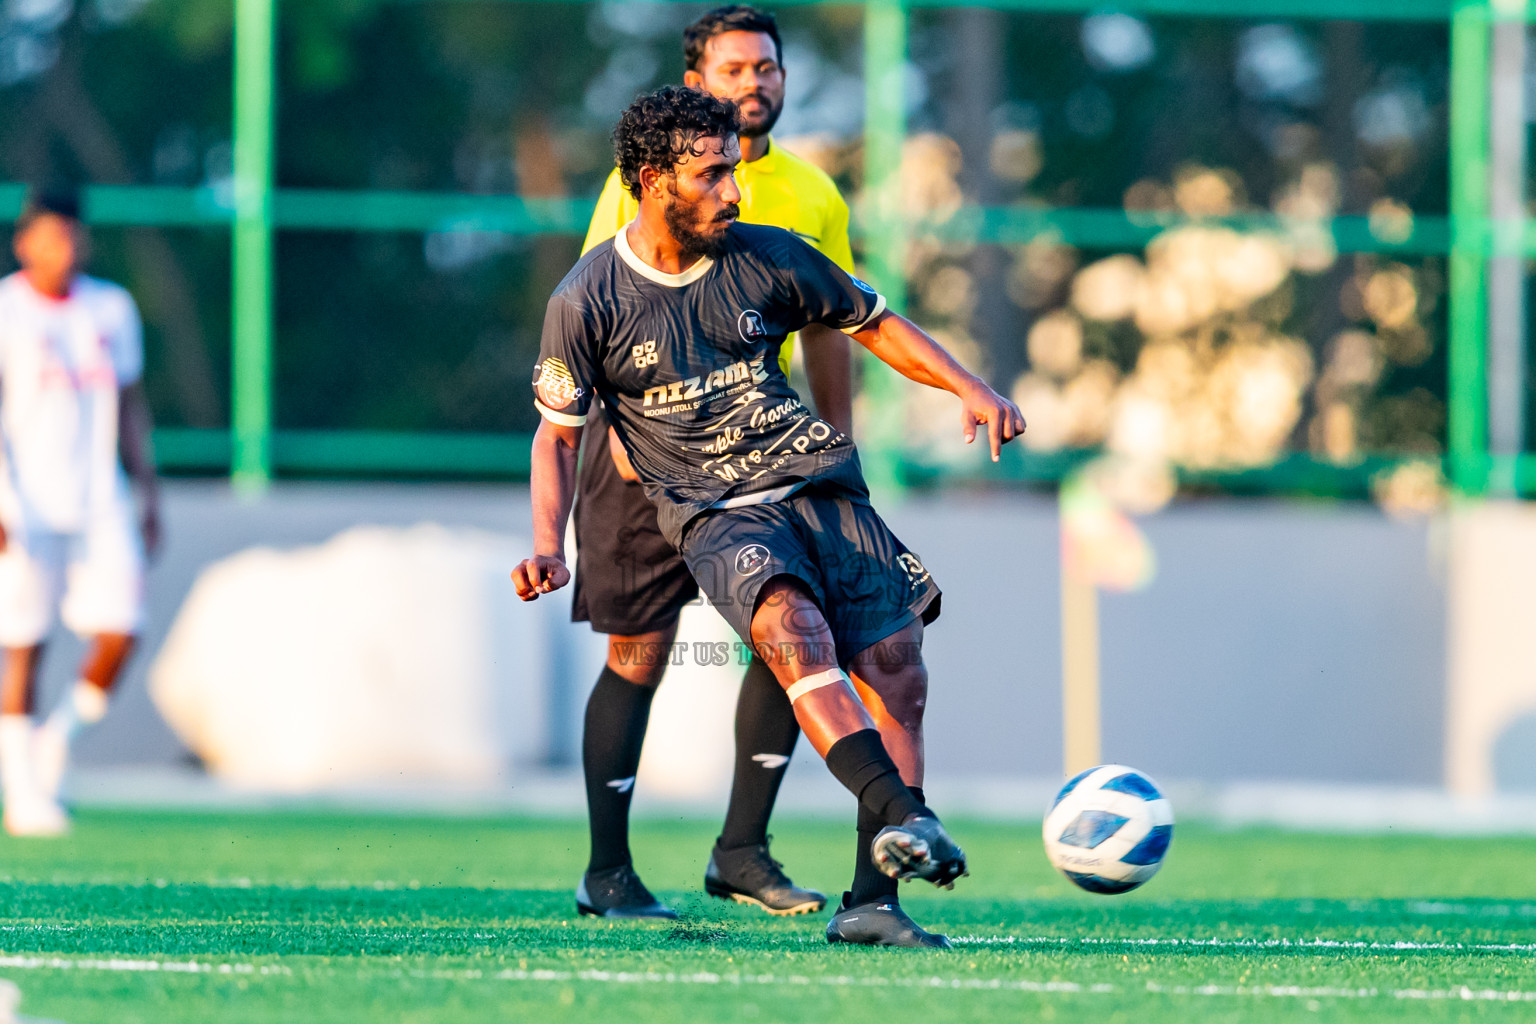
{"x":408,"y":331}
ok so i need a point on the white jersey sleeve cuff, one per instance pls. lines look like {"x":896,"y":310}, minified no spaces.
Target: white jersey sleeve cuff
{"x":879,"y":308}
{"x":564,"y":419}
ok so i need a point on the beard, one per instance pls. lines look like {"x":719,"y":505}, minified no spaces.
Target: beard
{"x":684,"y":224}
{"x":764,"y":122}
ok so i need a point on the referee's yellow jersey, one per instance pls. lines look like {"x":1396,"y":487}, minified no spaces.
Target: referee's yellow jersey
{"x":778,"y":189}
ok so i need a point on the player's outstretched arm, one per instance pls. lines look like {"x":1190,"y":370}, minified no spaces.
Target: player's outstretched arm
{"x":552,"y":479}
{"x":912,"y":352}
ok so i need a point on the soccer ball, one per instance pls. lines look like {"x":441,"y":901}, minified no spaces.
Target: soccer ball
{"x":1108,"y":829}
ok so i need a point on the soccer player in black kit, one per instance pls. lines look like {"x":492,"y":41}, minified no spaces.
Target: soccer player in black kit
{"x":675,"y":325}
{"x":632,"y":585}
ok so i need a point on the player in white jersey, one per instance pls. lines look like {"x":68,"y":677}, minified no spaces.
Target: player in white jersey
{"x":73,"y":418}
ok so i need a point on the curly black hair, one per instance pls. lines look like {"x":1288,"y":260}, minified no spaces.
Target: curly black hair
{"x":731,"y":18}
{"x":659,"y":129}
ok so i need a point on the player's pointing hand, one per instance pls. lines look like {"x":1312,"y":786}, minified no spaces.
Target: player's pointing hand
{"x":1004,"y":421}
{"x":539,"y":575}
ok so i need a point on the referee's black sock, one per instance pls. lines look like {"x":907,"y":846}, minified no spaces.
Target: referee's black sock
{"x":869,"y":883}
{"x":860,"y":762}
{"x":614,"y":730}
{"x":766,"y":732}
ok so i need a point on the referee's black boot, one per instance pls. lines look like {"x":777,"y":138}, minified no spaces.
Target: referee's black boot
{"x":618,"y":892}
{"x":747,"y":874}
{"x":880,"y":923}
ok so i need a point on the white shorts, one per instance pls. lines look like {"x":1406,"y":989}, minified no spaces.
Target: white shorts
{"x":98,"y":573}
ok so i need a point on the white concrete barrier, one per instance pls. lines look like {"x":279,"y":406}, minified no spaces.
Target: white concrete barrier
{"x":1491,"y":639}
{"x":383,"y":654}
{"x":691,"y":741}
{"x":402,"y":655}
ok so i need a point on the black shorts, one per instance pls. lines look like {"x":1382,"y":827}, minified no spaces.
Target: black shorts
{"x":867,"y":583}
{"x":629,"y":580}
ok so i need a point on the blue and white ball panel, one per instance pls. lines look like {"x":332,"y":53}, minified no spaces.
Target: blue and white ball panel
{"x":1108,"y":829}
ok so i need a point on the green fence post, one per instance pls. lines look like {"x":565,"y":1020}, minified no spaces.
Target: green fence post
{"x":1467,"y":429}
{"x":885,"y":129}
{"x":251,"y":317}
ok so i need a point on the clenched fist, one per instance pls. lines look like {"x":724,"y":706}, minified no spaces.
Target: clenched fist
{"x":540,"y":574}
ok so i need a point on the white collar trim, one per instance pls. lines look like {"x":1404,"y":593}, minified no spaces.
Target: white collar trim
{"x":650,"y":273}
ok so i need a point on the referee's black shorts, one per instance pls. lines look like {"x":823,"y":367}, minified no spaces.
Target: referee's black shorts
{"x":866,"y":581}
{"x":629,"y":580}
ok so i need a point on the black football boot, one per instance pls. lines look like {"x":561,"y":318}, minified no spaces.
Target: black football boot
{"x":880,"y":922}
{"x":747,"y":874}
{"x":919,"y":848}
{"x":618,"y":892}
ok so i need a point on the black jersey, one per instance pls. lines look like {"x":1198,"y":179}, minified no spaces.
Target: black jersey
{"x":687,"y":365}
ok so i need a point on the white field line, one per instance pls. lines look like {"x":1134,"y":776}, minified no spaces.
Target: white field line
{"x":1461,"y":993}
{"x":1439,"y":907}
{"x":59,"y":963}
{"x":1424,"y":908}
{"x":1258,"y":944}
{"x":791,"y":980}
{"x":326,"y":885}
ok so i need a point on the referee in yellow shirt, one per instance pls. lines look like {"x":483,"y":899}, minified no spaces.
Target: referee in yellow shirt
{"x":632,"y":585}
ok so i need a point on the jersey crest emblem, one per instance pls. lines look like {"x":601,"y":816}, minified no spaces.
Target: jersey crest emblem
{"x":751,"y":559}
{"x":554,"y":383}
{"x":861,"y":286}
{"x":913,"y":567}
{"x":751,"y":325}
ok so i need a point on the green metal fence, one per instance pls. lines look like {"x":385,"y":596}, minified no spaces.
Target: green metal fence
{"x":251,"y":451}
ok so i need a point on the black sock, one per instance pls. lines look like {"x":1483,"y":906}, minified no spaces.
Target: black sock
{"x":766,"y":732}
{"x":614,"y":730}
{"x":869,"y":883}
{"x":860,"y":762}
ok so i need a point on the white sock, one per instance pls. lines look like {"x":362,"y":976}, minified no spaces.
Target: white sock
{"x":16,"y":754}
{"x":86,"y":704}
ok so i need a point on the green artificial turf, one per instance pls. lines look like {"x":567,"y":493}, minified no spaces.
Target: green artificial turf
{"x":297,"y":917}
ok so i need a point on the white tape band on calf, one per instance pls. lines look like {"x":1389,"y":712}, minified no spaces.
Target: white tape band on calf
{"x":828,"y":678}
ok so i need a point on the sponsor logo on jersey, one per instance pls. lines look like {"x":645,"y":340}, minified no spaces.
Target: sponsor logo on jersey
{"x":555,"y":385}
{"x":751,"y":325}
{"x":912,"y":567}
{"x":751,"y":559}
{"x":676,"y":396}
{"x":861,"y":286}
